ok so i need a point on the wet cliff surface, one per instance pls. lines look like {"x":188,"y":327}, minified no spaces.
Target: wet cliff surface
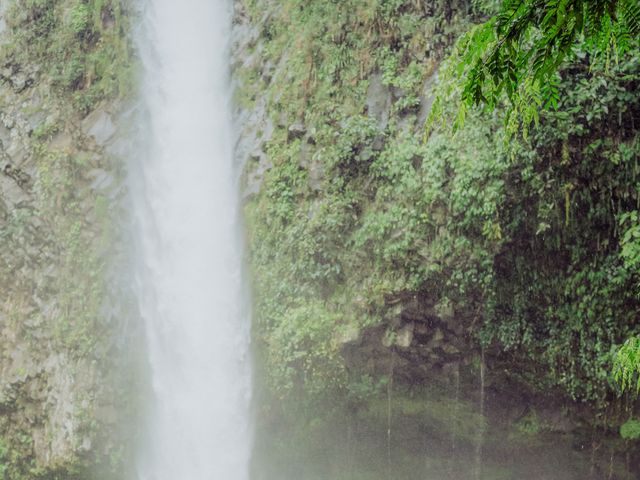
{"x":443,"y":308}
{"x":64,"y":339}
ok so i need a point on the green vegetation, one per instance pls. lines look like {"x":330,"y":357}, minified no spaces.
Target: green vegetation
{"x":522,"y":238}
{"x":524,"y":50}
{"x":532,"y":241}
{"x":80,"y":47}
{"x":11,"y":460}
{"x":627,"y":365}
{"x":60,"y":60}
{"x":322,"y":255}
{"x":334,"y":225}
{"x":519,"y":51}
{"x":82,"y":232}
{"x":630,"y":430}
{"x":74,"y":50}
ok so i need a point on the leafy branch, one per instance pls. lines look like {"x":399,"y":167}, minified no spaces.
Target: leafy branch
{"x":519,"y":51}
{"x":626,"y":369}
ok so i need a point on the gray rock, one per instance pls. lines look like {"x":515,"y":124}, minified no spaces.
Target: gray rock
{"x":35,"y":119}
{"x":404,"y":337}
{"x":12,"y":194}
{"x":316,"y":176}
{"x":20,"y":77}
{"x":257,"y":167}
{"x":350,"y":335}
{"x":379,"y":101}
{"x":98,"y":124}
{"x":427,"y":98}
{"x":5,"y":135}
{"x":444,"y":309}
{"x":296,"y":130}
{"x":450,"y":349}
{"x":102,"y":179}
{"x":436,"y":340}
{"x":3,"y":23}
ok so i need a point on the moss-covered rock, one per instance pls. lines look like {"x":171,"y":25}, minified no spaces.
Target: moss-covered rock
{"x":61,"y":326}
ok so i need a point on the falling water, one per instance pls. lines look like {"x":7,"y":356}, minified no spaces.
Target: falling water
{"x":189,"y":274}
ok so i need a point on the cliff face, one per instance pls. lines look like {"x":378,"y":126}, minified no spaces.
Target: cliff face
{"x":62,"y":319}
{"x":464,"y":270}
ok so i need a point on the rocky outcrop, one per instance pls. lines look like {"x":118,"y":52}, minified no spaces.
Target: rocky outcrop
{"x":426,"y":338}
{"x":253,"y":126}
{"x":59,"y":340}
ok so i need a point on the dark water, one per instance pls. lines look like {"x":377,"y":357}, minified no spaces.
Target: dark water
{"x":436,"y":436}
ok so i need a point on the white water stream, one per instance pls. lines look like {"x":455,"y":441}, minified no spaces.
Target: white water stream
{"x":189,"y":277}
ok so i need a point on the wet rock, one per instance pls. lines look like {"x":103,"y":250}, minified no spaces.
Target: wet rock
{"x":404,"y":337}
{"x":436,"y":339}
{"x":62,"y":141}
{"x":3,"y":23}
{"x":552,"y":419}
{"x":102,"y":179}
{"x":99,"y":125}
{"x":19,"y":77}
{"x":350,"y":335}
{"x":427,"y":98}
{"x":11,"y":193}
{"x":316,"y":176}
{"x":5,"y":136}
{"x":295,"y":131}
{"x":22,"y":179}
{"x":35,"y":120}
{"x":379,"y":101}
{"x":257,"y":167}
{"x":450,"y":349}
{"x":18,"y":153}
{"x":422,"y":330}
{"x":253,"y":126}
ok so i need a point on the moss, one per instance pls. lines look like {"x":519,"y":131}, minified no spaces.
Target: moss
{"x":80,"y":48}
{"x":440,"y":416}
{"x":61,"y":240}
{"x":630,"y":430}
{"x":529,"y":424}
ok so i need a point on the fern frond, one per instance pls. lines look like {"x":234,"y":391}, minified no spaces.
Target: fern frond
{"x":626,"y":369}
{"x":630,"y":13}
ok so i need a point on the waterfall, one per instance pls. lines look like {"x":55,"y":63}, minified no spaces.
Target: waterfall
{"x":189,"y":272}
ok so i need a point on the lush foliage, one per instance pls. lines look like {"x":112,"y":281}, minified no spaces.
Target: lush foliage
{"x":520,"y":50}
{"x":627,"y":364}
{"x":527,"y":41}
{"x":322,"y":237}
{"x":79,"y":46}
{"x":630,"y":430}
{"x":524,"y":240}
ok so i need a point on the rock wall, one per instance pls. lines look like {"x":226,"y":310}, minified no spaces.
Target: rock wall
{"x":64,"y":311}
{"x":390,"y":267}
